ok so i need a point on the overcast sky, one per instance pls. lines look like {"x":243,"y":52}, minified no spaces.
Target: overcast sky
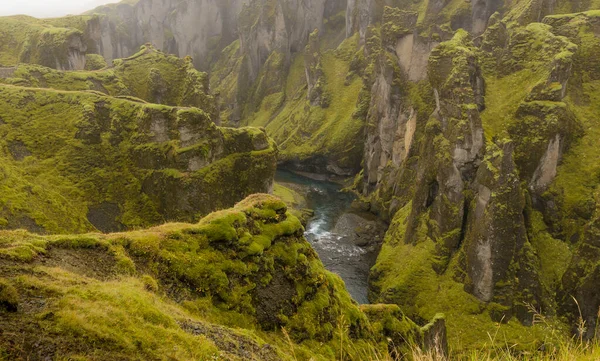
{"x":49,"y":8}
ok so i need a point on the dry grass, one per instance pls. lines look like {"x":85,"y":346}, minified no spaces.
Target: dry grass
{"x":557,"y":347}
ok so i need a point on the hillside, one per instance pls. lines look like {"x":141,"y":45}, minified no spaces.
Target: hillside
{"x":470,"y":127}
{"x":221,"y":289}
{"x":84,"y":151}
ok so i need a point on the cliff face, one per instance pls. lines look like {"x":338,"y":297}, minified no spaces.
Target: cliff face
{"x":471,"y":127}
{"x":96,"y":156}
{"x":196,"y":28}
{"x":216,"y":289}
{"x":149,"y":75}
{"x":474,"y":174}
{"x":54,"y":43}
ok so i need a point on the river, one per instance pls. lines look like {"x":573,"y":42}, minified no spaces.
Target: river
{"x":346,"y":240}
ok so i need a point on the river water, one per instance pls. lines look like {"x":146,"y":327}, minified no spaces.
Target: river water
{"x":347,"y":241}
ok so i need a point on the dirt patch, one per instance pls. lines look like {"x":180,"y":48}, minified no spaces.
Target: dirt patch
{"x":232,"y":346}
{"x":27,"y":223}
{"x":18,"y":150}
{"x":274,"y":299}
{"x":26,"y":337}
{"x":92,"y":263}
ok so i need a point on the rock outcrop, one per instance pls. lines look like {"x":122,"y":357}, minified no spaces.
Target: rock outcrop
{"x":54,"y":43}
{"x":315,"y":77}
{"x":201,"y":289}
{"x":90,"y":138}
{"x":477,"y":185}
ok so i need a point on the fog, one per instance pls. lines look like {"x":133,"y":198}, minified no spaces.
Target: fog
{"x":49,"y":8}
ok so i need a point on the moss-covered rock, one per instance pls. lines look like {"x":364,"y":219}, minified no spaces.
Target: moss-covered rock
{"x":149,"y":75}
{"x":222,"y":288}
{"x":56,"y":43}
{"x":461,"y":195}
{"x":315,"y":78}
{"x":90,"y":161}
{"x":94,"y":62}
{"x":579,"y":298}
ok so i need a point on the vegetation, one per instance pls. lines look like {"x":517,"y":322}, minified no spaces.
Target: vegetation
{"x":115,"y":160}
{"x":248,"y":269}
{"x":431,"y":259}
{"x":43,"y":41}
{"x":473,"y":133}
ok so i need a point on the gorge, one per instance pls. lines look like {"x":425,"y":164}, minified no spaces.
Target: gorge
{"x":140,"y":141}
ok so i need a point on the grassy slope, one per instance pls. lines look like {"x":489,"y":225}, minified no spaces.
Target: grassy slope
{"x":579,"y":173}
{"x":67,"y":173}
{"x":503,"y":96}
{"x":150,"y":75}
{"x":25,"y":37}
{"x":422,"y":293}
{"x":159,"y":293}
{"x":105,"y":146}
{"x":303,"y":131}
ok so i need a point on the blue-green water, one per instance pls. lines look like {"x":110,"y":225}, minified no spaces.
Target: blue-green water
{"x":330,"y":237}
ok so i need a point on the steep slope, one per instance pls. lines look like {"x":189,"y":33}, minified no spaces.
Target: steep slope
{"x":221,"y":289}
{"x":472,"y":125}
{"x":317,"y":136}
{"x":149,"y":75}
{"x":196,"y":28}
{"x":478,"y":189}
{"x":55,"y":43}
{"x":76,"y":160}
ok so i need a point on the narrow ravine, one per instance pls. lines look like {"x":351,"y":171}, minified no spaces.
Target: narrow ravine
{"x":346,"y":240}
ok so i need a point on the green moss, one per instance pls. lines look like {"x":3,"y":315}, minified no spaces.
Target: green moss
{"x":554,"y":254}
{"x":129,"y":319}
{"x":124,"y":265}
{"x":503,"y":96}
{"x":289,"y":196}
{"x":27,"y":39}
{"x":269,"y":106}
{"x":210,"y":274}
{"x":579,"y":173}
{"x":296,"y":78}
{"x":396,"y":23}
{"x":9,"y":298}
{"x":404,"y":275}
{"x":21,"y":246}
{"x":333,"y":131}
{"x":149,"y":75}
{"x":94,"y":62}
{"x":150,"y":284}
{"x":107,"y":150}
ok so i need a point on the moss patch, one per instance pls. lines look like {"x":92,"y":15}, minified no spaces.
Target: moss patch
{"x":247,"y":268}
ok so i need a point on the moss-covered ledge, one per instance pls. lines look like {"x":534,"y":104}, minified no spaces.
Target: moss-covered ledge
{"x":244,"y":274}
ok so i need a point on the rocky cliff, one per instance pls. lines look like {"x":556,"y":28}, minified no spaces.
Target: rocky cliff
{"x":473,"y":166}
{"x":220,"y":289}
{"x":54,"y":43}
{"x":471,"y":126}
{"x":196,"y":28}
{"x":84,"y":151}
